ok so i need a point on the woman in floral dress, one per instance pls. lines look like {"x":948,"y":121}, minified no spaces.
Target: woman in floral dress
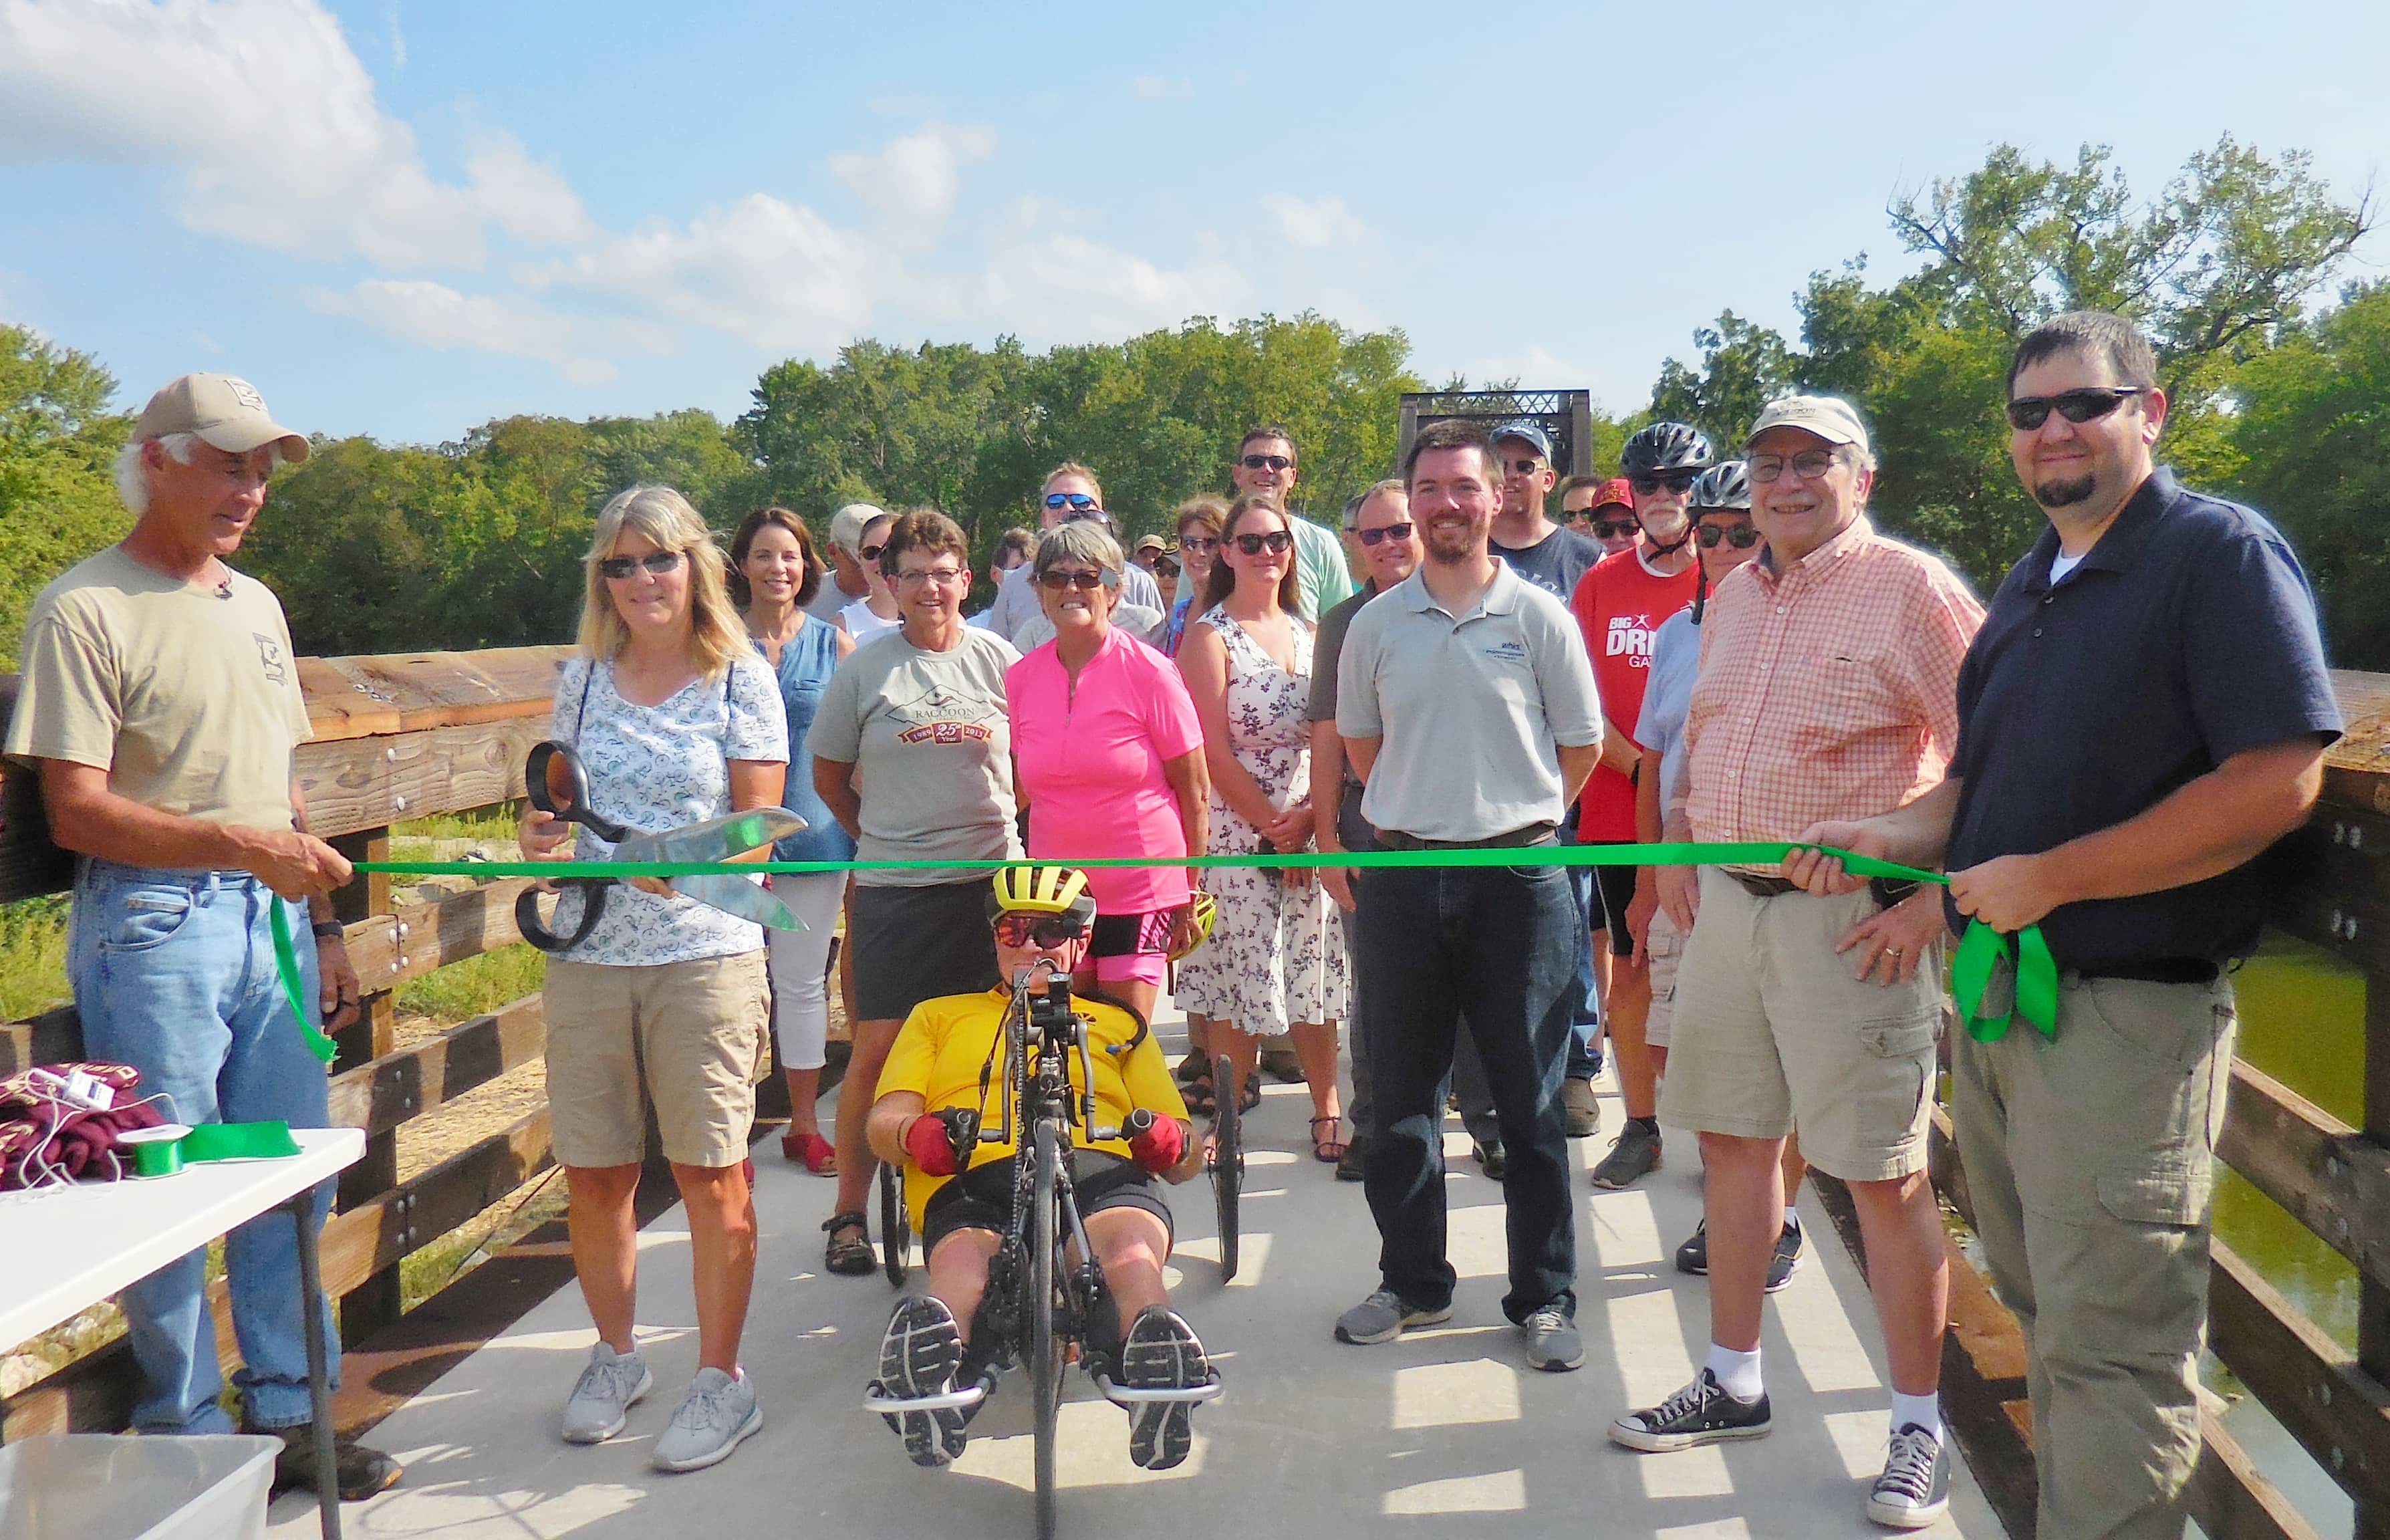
{"x":1274,"y":964}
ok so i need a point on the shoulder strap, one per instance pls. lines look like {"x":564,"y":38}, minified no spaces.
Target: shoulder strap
{"x":581,"y":712}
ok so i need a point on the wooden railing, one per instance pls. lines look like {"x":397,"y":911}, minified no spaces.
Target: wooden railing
{"x":402,"y":738}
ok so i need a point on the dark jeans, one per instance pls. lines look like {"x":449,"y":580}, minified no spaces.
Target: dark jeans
{"x":1585,"y":1001}
{"x":1497,"y":947}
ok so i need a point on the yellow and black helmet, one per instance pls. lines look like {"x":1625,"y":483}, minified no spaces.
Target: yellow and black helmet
{"x":1041,"y":891}
{"x":1203,"y":910}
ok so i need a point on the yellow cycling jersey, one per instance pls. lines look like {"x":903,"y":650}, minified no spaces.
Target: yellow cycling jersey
{"x":946,"y":1041}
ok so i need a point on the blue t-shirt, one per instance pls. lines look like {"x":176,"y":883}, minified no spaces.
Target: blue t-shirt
{"x":2187,"y":636}
{"x":1668,"y":696}
{"x":806,"y":663}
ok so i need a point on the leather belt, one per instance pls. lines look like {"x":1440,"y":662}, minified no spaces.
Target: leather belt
{"x":1533,"y":834}
{"x":1765,"y":887}
{"x":2158,"y":971}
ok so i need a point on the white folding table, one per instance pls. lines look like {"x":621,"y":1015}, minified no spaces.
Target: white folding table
{"x":68,"y":1248}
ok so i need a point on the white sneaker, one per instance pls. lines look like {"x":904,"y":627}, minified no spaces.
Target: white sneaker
{"x":716,"y":1414}
{"x":603,"y":1398}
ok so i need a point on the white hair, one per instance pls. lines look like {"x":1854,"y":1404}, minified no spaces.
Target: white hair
{"x":132,"y":476}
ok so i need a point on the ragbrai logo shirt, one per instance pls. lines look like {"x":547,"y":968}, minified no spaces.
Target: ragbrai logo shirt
{"x":1620,"y":605}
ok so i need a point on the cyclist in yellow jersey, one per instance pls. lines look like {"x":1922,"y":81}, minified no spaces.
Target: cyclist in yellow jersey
{"x":1039,"y":913}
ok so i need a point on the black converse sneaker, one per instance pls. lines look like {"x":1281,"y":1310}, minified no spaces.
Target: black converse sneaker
{"x":1914,"y":1490}
{"x":1701,"y":1413}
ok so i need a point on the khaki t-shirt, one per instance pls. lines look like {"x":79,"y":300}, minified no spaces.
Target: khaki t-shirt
{"x":189,"y":700}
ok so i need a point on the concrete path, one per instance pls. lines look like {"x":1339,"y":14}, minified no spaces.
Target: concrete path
{"x":1444,"y":1432}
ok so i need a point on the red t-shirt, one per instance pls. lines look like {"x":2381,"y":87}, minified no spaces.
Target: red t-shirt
{"x":1619,"y":606}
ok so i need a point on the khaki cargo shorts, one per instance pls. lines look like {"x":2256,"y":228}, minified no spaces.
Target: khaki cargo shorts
{"x":686,"y":1036}
{"x":1663,"y":949}
{"x":1771,"y":1030}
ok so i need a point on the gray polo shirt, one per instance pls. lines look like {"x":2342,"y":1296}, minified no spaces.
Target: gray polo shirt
{"x":1472,"y":709}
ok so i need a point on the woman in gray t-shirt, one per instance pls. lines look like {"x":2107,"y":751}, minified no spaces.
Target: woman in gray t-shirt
{"x":913,"y":756}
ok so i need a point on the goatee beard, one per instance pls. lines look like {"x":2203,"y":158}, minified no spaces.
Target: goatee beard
{"x":2064,"y":494}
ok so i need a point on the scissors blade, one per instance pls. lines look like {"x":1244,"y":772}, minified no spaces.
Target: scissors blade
{"x":724,"y":839}
{"x":737,"y":895}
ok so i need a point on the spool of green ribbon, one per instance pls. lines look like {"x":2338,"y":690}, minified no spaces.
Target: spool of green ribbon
{"x":208,"y":1141}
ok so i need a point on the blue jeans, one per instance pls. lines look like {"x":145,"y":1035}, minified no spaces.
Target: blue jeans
{"x":1585,"y":1001}
{"x":174,"y":974}
{"x":1495,"y":945}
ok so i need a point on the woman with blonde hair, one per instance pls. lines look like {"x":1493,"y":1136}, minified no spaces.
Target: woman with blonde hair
{"x":663,"y":1004}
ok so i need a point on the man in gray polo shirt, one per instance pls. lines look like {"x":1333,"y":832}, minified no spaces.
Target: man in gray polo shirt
{"x":1468,"y":709}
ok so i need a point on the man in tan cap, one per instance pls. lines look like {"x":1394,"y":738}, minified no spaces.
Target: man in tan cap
{"x":161,"y":708}
{"x":1828,"y":689}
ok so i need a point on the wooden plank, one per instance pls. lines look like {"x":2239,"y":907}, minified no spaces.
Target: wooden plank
{"x":383,"y":1094}
{"x":2229,"y":1497}
{"x":53,"y":1036}
{"x":2311,"y":1385}
{"x":362,"y":696}
{"x":365,"y":1240}
{"x":362,"y":783}
{"x":2329,"y":1176}
{"x":389,"y":949}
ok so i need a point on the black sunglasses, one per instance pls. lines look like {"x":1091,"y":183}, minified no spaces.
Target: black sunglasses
{"x":1044,"y":930}
{"x":1277,"y":541}
{"x":658,"y":562}
{"x":1164,"y":567}
{"x":2028,"y":413}
{"x":871,"y":553}
{"x":1674,"y":481}
{"x":1612,"y":529}
{"x":1266,"y":462}
{"x":1384,"y":533}
{"x":1055,"y":579}
{"x":1743,"y":537}
{"x":1199,"y":542}
{"x":1527,"y":465}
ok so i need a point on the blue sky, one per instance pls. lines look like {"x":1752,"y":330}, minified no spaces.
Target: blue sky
{"x":406,"y":218}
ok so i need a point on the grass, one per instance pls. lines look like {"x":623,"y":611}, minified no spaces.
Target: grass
{"x":475,"y":986}
{"x":33,"y":956}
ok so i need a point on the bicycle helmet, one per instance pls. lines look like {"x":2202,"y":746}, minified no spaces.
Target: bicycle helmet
{"x":1665,"y":446}
{"x":1726,"y":485}
{"x":1205,"y":909}
{"x":1041,"y":891}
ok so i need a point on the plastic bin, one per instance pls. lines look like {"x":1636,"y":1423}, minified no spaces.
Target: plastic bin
{"x":99,"y":1486}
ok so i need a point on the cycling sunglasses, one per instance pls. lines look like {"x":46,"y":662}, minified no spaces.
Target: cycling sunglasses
{"x":1266,"y":462}
{"x":1079,"y":501}
{"x":1673,"y":481}
{"x":1055,"y":579}
{"x":1042,"y":930}
{"x":1743,"y":537}
{"x":1389,"y":531}
{"x":658,"y":562}
{"x":1277,"y":541}
{"x":2028,"y":413}
{"x":1613,"y":529}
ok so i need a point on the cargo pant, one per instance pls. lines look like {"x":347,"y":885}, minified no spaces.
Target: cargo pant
{"x":2091,"y":1161}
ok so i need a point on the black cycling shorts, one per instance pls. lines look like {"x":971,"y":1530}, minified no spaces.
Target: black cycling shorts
{"x":982,"y":1198}
{"x":1613,"y":890}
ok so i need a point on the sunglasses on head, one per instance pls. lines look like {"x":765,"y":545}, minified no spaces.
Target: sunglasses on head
{"x":1276,"y":543}
{"x":1743,"y":537}
{"x":1613,"y":529}
{"x":658,"y":562}
{"x":1055,"y":579}
{"x":1044,"y":931}
{"x":1670,"y":481}
{"x":1266,"y":462}
{"x":2028,"y":413}
{"x":1199,"y":542}
{"x":1384,"y":533}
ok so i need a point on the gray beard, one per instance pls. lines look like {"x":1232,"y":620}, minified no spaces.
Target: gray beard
{"x":2065,"y":494}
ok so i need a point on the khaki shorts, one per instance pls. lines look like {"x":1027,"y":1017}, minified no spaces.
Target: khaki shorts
{"x":1664,"y":948}
{"x":687,"y":1037}
{"x":1771,"y":1030}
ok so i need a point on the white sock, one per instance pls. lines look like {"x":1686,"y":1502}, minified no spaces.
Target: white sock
{"x":1737,"y":1373}
{"x":1919,"y":1411}
{"x":1791,"y":1216}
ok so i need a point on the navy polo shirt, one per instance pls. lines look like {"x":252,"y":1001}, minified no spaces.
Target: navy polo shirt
{"x":2186,"y":636}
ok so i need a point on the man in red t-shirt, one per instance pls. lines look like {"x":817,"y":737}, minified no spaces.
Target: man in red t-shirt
{"x":1619,"y":606}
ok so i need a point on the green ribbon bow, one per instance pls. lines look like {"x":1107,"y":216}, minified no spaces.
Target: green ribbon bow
{"x":2035,"y":996}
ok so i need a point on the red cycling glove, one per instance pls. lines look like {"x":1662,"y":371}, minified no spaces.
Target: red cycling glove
{"x":1160,"y":1145}
{"x":926,"y":1141}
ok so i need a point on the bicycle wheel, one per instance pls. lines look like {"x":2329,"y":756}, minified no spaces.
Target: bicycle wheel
{"x":896,"y":1227}
{"x":1044,"y":1348}
{"x":1227,"y":1160}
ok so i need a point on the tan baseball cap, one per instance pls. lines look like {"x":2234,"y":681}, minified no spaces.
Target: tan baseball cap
{"x":846,"y":526}
{"x":1830,"y":417}
{"x":226,"y":412}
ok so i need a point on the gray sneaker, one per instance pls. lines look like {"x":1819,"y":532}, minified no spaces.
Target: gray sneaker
{"x":1786,"y":1259}
{"x":1552,"y":1342}
{"x":717,"y":1413}
{"x":1161,"y":1353}
{"x":603,"y":1396}
{"x":1582,"y":1107}
{"x":1634,"y":1155}
{"x":1382,"y":1318}
{"x":1914,"y":1490}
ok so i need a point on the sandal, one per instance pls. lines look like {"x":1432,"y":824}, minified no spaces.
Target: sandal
{"x":1331,"y":1150}
{"x":854,"y":1256}
{"x":1194,"y":1067}
{"x":819,"y":1155}
{"x":1202,"y":1096}
{"x":1253,"y":1097}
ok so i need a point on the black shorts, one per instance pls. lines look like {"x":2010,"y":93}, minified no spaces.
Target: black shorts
{"x":982,"y":1199}
{"x":912,"y":944}
{"x":1613,"y":890}
{"x":1127,"y":935}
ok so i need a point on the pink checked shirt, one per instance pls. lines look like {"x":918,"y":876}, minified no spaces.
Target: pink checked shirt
{"x":1827,"y":691}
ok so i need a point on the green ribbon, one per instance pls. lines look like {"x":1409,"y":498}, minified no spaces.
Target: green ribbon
{"x":286,"y":962}
{"x":1981,"y":952}
{"x":212,"y":1141}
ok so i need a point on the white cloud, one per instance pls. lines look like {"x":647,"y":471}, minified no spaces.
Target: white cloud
{"x":1061,"y":287}
{"x":434,"y":315}
{"x":264,"y":110}
{"x":1315,"y":224}
{"x":912,"y":182}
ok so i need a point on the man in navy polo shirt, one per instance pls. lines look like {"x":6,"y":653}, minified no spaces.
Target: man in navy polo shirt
{"x":2143,"y":712}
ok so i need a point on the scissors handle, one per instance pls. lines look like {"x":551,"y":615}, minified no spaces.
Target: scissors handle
{"x":556,"y":783}
{"x":534,"y":930}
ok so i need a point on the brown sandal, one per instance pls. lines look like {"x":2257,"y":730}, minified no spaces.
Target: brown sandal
{"x":1331,"y":1150}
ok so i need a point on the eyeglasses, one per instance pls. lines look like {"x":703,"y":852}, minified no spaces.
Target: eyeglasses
{"x":1204,"y":543}
{"x":1743,"y":537}
{"x":1613,"y":528}
{"x":1164,"y":567}
{"x":1527,"y":465}
{"x":1079,"y":501}
{"x":1266,"y":462}
{"x":1277,"y":541}
{"x":1808,"y":464}
{"x":1055,"y":579}
{"x":1669,"y":480}
{"x":619,"y":567}
{"x":943,"y":576}
{"x":2028,"y":413}
{"x":1044,"y":930}
{"x":871,"y":553}
{"x":1385,"y":532}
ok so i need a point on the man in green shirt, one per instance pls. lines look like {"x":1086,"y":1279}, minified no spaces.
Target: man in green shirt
{"x":1266,"y":462}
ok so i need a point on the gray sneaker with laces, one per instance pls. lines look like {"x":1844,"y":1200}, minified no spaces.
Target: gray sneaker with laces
{"x":1634,"y":1155}
{"x":1552,"y":1340}
{"x":603,"y":1398}
{"x":1914,"y":1490}
{"x":716,"y":1414}
{"x":1382,"y":1318}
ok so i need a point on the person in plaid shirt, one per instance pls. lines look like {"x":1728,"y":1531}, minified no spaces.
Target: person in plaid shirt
{"x":1828,"y":688}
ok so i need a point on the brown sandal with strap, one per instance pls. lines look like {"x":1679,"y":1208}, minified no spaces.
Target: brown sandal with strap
{"x":1331,"y":1150}
{"x":853,"y":1256}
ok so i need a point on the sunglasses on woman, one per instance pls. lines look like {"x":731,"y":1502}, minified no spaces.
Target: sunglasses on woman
{"x":2028,"y":413}
{"x":1047,"y":932}
{"x":871,"y":553}
{"x":1203,"y":543}
{"x":619,"y":567}
{"x":1743,"y":537}
{"x":1383,"y":533}
{"x":1276,"y":543}
{"x":1055,"y":579}
{"x":1164,"y":567}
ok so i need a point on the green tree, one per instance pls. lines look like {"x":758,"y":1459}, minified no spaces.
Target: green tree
{"x":59,"y":443}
